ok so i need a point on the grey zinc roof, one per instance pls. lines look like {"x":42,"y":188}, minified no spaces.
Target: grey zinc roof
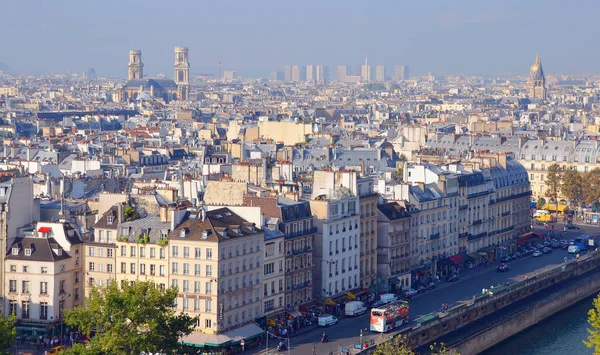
{"x":151,"y":223}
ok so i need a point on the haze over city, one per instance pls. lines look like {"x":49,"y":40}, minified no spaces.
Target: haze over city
{"x":256,"y":37}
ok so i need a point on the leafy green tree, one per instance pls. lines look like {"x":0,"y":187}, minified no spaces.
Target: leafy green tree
{"x":396,"y":346}
{"x":553,"y":183}
{"x":540,"y":202}
{"x":591,"y":186}
{"x":572,"y":186}
{"x":594,"y":321}
{"x":8,"y":331}
{"x":399,"y":346}
{"x":139,"y":318}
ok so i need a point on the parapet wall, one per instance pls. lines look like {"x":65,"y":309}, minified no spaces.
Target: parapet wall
{"x":547,"y":306}
{"x":431,"y":327}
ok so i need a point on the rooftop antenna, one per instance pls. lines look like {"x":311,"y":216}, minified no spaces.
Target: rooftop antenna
{"x":220,"y":69}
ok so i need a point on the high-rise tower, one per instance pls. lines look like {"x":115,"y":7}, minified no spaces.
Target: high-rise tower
{"x":182,"y":72}
{"x":537,"y":80}
{"x":135,"y":67}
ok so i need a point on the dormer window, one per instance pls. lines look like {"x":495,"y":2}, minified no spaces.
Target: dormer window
{"x":15,"y":251}
{"x":204,"y":234}
{"x":110,"y":219}
{"x":27,"y":251}
{"x":182,"y":233}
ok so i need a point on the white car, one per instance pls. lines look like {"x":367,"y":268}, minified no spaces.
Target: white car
{"x":537,"y":253}
{"x":411,"y":292}
{"x":325,"y":320}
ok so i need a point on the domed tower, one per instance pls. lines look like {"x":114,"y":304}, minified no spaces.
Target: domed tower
{"x":182,"y":72}
{"x":135,"y":67}
{"x":537,"y":80}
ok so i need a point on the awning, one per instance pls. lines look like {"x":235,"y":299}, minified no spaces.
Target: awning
{"x":456,"y":259}
{"x":532,"y":204}
{"x":445,"y":262}
{"x":246,"y":332}
{"x":552,"y":207}
{"x":465,"y":257}
{"x":330,"y":302}
{"x":294,"y":313}
{"x":44,"y":229}
{"x":350,"y":295}
{"x":202,"y":339}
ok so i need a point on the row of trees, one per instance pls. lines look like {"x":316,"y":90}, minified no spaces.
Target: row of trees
{"x":576,"y":187}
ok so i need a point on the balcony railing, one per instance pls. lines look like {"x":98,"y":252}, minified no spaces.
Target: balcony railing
{"x":477,"y":222}
{"x":304,"y":232}
{"x":463,"y":235}
{"x":477,"y":236}
{"x":504,"y":214}
{"x":300,"y":251}
{"x":434,"y":236}
{"x":301,"y":285}
{"x":463,"y":207}
{"x":478,"y":194}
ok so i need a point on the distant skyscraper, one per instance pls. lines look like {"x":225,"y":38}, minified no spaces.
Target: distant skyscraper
{"x":295,"y":73}
{"x":287,"y":73}
{"x":537,"y":80}
{"x":400,"y":72}
{"x":319,"y":78}
{"x":341,"y":72}
{"x":326,"y":74}
{"x":380,"y":73}
{"x":365,"y":71}
{"x":310,"y":74}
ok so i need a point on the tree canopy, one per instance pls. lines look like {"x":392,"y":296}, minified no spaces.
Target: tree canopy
{"x":138,"y":318}
{"x":8,"y":332}
{"x":553,"y":182}
{"x":591,"y":186}
{"x":572,"y":186}
{"x":594,"y":321}
{"x":398,"y":345}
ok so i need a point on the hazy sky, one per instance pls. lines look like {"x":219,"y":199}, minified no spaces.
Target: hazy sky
{"x":439,"y":36}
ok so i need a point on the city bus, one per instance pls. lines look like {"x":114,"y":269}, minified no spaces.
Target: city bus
{"x":390,"y":316}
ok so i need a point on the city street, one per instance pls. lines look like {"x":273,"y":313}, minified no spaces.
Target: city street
{"x":347,"y":331}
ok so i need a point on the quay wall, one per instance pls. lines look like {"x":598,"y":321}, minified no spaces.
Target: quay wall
{"x":490,"y":336}
{"x":472,"y":326}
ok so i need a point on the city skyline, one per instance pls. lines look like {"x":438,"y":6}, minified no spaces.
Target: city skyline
{"x":472,"y":38}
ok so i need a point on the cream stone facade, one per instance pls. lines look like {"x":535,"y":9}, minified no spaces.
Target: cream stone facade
{"x":43,"y":274}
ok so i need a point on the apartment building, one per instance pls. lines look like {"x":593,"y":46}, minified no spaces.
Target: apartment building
{"x":294,"y":219}
{"x":337,"y":252}
{"x":393,"y":246}
{"x":216,"y":262}
{"x":100,"y":256}
{"x":368,"y":231}
{"x":43,"y":275}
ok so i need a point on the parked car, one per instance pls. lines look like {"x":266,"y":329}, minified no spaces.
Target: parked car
{"x":547,"y":250}
{"x":503,"y":268}
{"x":505,"y":259}
{"x":571,"y":226}
{"x":389,"y":297}
{"x":421,"y":289}
{"x":431,"y":285}
{"x":554,"y":245}
{"x":537,"y":253}
{"x":452,"y":278}
{"x":325,"y":320}
{"x":573,"y":249}
{"x":411,"y":291}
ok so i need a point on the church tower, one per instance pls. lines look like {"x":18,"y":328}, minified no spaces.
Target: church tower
{"x":135,"y":67}
{"x":537,"y":80}
{"x":182,"y":73}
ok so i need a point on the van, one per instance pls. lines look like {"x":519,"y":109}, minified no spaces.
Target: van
{"x":388,"y":297}
{"x":539,"y":213}
{"x":573,"y":249}
{"x":355,"y":308}
{"x":325,"y":320}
